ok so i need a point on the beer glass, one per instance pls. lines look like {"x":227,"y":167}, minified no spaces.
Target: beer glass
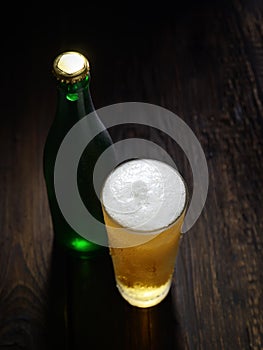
{"x":144,"y":203}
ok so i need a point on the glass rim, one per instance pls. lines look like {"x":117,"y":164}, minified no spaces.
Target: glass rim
{"x":147,"y":232}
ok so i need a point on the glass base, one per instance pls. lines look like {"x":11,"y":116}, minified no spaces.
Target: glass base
{"x":144,"y":296}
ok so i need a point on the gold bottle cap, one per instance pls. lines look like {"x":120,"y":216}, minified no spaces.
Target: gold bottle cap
{"x":70,"y":67}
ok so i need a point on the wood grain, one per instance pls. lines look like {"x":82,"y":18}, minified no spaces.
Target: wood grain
{"x":203,"y":62}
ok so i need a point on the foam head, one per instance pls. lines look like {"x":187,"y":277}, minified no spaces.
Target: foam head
{"x":144,"y":195}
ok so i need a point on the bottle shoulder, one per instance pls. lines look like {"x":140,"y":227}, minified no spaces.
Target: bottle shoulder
{"x":89,"y":130}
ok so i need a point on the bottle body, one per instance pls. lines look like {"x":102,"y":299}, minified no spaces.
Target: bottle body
{"x":74,"y":103}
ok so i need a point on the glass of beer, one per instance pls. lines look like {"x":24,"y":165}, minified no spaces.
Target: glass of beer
{"x":144,"y":203}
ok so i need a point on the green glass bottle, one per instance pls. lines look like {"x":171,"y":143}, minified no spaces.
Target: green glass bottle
{"x":74,"y":103}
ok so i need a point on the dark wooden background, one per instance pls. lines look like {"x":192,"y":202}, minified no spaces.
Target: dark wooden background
{"x":203,"y":60}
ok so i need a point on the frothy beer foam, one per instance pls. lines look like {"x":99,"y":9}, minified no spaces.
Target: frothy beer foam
{"x":144,"y":194}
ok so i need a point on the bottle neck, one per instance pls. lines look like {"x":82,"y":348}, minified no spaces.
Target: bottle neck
{"x":74,"y":100}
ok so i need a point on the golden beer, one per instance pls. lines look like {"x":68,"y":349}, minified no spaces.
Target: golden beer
{"x":143,"y":260}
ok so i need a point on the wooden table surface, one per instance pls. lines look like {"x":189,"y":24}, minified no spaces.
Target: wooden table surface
{"x":203,"y":61}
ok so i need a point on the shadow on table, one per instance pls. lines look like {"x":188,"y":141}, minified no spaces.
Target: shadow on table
{"x":86,"y":310}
